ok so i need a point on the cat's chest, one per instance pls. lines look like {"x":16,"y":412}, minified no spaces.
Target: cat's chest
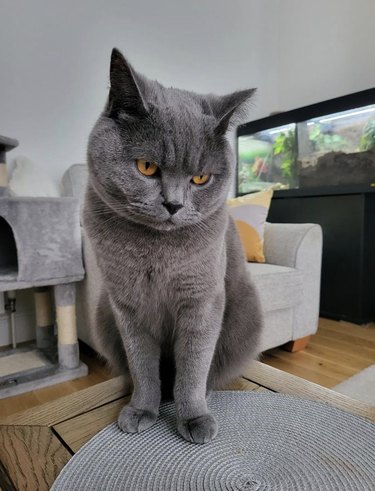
{"x":154,"y":273}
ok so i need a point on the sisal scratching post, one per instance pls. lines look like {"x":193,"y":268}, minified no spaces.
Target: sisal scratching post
{"x":68,"y":349}
{"x":3,"y":175}
{"x":44,"y":318}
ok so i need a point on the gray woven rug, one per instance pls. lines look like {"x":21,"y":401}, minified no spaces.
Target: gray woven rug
{"x":265,"y":442}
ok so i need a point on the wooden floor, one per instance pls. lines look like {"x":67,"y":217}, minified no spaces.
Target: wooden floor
{"x":335,"y":353}
{"x":338,"y":351}
{"x":98,"y":372}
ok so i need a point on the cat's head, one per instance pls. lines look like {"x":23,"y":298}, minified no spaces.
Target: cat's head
{"x":159,"y":156}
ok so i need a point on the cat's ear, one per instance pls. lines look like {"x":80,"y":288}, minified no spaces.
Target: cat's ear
{"x":230,"y":109}
{"x":125,"y":95}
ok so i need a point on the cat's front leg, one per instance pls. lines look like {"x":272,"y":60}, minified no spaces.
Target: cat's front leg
{"x":143,"y":354}
{"x":198,"y":328}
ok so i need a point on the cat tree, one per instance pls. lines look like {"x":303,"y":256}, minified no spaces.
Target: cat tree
{"x":40,"y":248}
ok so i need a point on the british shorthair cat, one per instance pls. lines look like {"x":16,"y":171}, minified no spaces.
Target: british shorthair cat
{"x":177,"y":304}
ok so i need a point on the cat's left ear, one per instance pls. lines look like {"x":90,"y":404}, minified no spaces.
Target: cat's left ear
{"x":231,"y":109}
{"x":125,"y":95}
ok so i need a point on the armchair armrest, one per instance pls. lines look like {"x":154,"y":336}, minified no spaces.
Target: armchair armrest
{"x":299,"y":246}
{"x":286,"y":244}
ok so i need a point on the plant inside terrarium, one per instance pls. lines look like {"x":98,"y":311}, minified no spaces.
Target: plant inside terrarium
{"x":254,"y":156}
{"x":326,"y":142}
{"x":367,"y":141}
{"x":245,"y":176}
{"x":285,"y":146}
{"x":252,"y":173}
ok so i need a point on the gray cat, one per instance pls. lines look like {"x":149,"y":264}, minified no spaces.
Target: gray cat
{"x":177,"y":306}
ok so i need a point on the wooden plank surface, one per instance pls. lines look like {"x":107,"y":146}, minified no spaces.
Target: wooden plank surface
{"x":79,"y":430}
{"x":308,"y":360}
{"x":242,"y":384}
{"x":283,"y":382}
{"x":348,"y":341}
{"x":338,"y":351}
{"x":305,"y":369}
{"x":31,"y":456}
{"x":71,"y":405}
{"x":364,"y":332}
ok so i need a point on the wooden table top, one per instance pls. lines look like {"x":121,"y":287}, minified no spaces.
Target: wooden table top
{"x":37,"y":443}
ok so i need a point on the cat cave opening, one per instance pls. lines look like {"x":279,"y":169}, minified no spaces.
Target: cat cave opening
{"x":8,"y":252}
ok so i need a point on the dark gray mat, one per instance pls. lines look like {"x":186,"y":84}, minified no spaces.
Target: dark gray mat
{"x":265,"y":442}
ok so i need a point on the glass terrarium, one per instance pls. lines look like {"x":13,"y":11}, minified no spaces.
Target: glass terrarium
{"x":310,"y":147}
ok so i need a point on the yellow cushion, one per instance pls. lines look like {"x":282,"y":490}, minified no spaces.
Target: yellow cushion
{"x":250,"y":214}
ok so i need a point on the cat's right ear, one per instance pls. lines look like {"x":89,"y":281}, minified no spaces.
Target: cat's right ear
{"x":125,"y":96}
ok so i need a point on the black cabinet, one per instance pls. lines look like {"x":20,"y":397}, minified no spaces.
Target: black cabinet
{"x":347,"y":217}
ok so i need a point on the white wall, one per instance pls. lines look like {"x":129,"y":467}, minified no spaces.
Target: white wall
{"x":55,"y":60}
{"x":326,"y":50}
{"x":55,"y":57}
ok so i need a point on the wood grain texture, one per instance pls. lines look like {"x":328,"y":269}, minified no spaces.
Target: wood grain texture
{"x":32,"y":456}
{"x":242,"y":384}
{"x":283,"y":382}
{"x":338,"y":351}
{"x":11,"y":405}
{"x":305,"y":369}
{"x":71,"y":405}
{"x":77,"y":431}
{"x":365,"y":332}
{"x":311,"y":361}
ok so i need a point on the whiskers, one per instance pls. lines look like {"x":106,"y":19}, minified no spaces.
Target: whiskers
{"x":108,"y":212}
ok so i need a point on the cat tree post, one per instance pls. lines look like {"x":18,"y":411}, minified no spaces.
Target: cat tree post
{"x":68,"y":349}
{"x":44,"y":317}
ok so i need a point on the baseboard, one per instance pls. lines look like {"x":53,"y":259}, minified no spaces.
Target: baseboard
{"x":55,"y":375}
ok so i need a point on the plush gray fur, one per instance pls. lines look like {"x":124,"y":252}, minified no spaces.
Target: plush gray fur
{"x":177,"y":304}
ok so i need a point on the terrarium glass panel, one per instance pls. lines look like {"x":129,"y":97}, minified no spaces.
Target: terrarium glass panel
{"x":335,"y":149}
{"x":268,"y":156}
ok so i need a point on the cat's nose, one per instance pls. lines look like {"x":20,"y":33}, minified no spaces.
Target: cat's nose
{"x":172,"y":207}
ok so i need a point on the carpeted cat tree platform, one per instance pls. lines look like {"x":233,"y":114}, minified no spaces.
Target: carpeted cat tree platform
{"x":40,"y":248}
{"x":265,"y":442}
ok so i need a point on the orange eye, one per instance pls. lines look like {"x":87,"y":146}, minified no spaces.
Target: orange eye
{"x":200,"y":180}
{"x":147,"y":168}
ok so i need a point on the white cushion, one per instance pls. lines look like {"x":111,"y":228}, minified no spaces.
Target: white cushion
{"x":279,"y":287}
{"x":28,"y":179}
{"x":74,"y":181}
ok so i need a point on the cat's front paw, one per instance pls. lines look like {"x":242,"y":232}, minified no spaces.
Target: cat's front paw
{"x":132,"y":420}
{"x":198,"y":430}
